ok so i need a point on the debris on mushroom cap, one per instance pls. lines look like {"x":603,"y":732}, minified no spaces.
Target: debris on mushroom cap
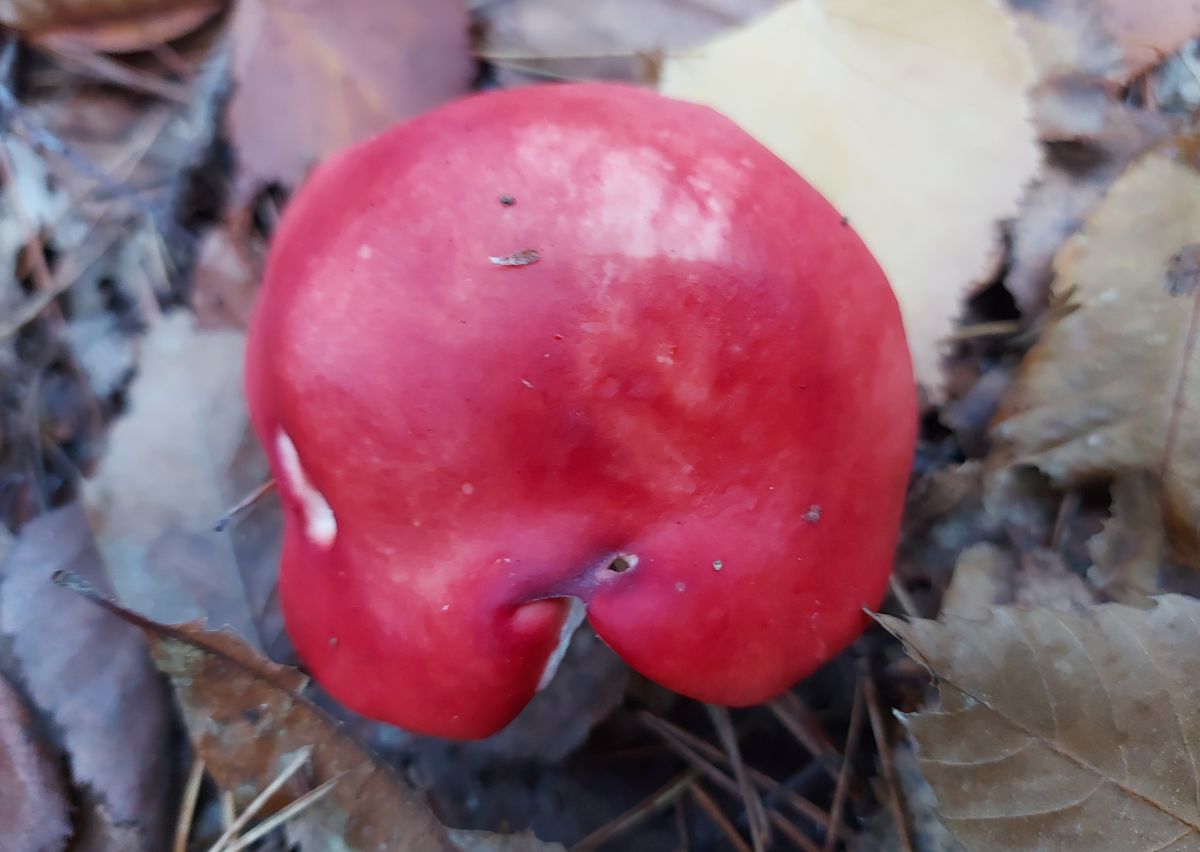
{"x":698,"y":363}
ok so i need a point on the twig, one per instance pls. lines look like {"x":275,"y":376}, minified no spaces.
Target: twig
{"x":681,"y":825}
{"x":109,"y":70}
{"x":243,"y":504}
{"x":667,"y":731}
{"x":63,"y":281}
{"x":875,"y":713}
{"x":187,"y":810}
{"x":785,"y":709}
{"x":228,"y":811}
{"x":261,"y":799}
{"x":997,"y":328}
{"x":719,"y":819}
{"x":843,"y":782}
{"x":903,"y":598}
{"x":285,"y":814}
{"x":660,"y":799}
{"x":765,"y":782}
{"x":760,"y":830}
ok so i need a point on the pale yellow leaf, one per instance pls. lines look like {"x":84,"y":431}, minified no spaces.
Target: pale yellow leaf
{"x":911,"y":117}
{"x":1064,"y":731}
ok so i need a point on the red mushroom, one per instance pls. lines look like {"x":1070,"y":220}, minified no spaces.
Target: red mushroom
{"x":574,"y":341}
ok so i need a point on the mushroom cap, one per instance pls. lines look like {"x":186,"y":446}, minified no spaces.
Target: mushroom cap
{"x":574,"y":341}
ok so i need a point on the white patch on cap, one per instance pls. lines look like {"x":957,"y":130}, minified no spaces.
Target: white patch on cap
{"x":319,"y":524}
{"x":574,"y":618}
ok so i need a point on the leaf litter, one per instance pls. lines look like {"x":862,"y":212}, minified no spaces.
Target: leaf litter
{"x":1057,"y":110}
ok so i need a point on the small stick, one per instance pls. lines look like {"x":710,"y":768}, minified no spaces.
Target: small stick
{"x":765,"y":782}
{"x":677,"y":745}
{"x":662,"y":798}
{"x":843,"y":782}
{"x":786,"y":709}
{"x":903,"y":598}
{"x":187,"y":811}
{"x":760,"y":830}
{"x":719,"y":819}
{"x":262,"y":798}
{"x":885,"y":756}
{"x":289,"y":812}
{"x":243,"y":504}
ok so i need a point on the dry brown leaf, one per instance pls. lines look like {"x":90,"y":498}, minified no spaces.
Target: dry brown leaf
{"x":1045,"y":581}
{"x":1128,"y":554}
{"x":1148,"y":31}
{"x":248,"y":720}
{"x":1064,"y":731}
{"x":1116,"y":39}
{"x":161,"y":486}
{"x":920,"y":811}
{"x":609,"y":39}
{"x":311,"y":77}
{"x":1097,"y":396}
{"x":886,"y":108}
{"x":33,"y":810}
{"x":115,"y":26}
{"x":983,"y":577}
{"x":225,"y":277}
{"x":91,"y":674}
{"x":1066,"y":37}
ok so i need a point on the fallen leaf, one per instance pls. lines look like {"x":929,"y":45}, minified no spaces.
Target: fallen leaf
{"x":1044,"y":580}
{"x":115,"y":26}
{"x":605,"y":39}
{"x":1128,"y":554}
{"x":920,"y":812}
{"x":1064,"y":730}
{"x":247,"y":720}
{"x":983,"y":577}
{"x":158,"y":492}
{"x":311,"y":77}
{"x":91,"y":674}
{"x":33,"y":809}
{"x":225,"y":277}
{"x":884,"y":107}
{"x":1110,"y":388}
{"x":1148,"y":31}
{"x":1115,"y":39}
{"x":1066,"y":37}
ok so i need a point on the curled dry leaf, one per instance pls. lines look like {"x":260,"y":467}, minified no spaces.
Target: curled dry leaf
{"x":33,"y":809}
{"x":983,"y":577}
{"x":1148,"y":31}
{"x":1113,"y":387}
{"x":1064,"y":731}
{"x":1066,"y":37}
{"x":1128,"y":553}
{"x":311,"y":77}
{"x":608,"y":39}
{"x":884,"y":107}
{"x":90,"y":673}
{"x":1116,"y":39}
{"x":248,"y":721}
{"x":115,"y":26}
